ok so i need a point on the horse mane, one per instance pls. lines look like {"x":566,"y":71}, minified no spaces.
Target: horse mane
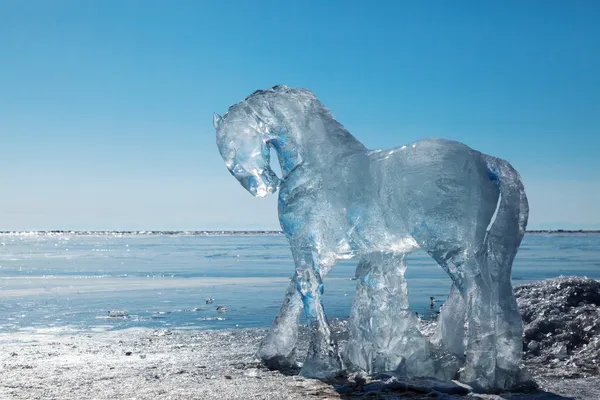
{"x":298,"y":93}
{"x":283,"y":89}
{"x":304,"y":96}
{"x":254,"y":101}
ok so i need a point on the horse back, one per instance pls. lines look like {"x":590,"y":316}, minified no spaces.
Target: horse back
{"x":434,"y":182}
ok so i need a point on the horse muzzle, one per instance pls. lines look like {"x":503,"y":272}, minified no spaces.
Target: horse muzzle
{"x":260,"y":184}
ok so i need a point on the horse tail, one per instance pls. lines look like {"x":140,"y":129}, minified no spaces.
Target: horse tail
{"x":507,"y":230}
{"x":500,"y":248}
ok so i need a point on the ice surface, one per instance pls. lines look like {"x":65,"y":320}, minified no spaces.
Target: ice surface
{"x":213,"y":364}
{"x":339,"y":200}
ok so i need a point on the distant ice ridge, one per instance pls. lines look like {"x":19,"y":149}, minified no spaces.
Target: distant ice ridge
{"x":140,"y":233}
{"x":217,"y":233}
{"x":339,"y":200}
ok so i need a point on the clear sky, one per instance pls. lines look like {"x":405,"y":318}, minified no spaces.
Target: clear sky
{"x":106,"y":106}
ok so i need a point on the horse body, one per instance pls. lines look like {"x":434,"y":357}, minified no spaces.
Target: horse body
{"x":390,"y":200}
{"x":339,"y":200}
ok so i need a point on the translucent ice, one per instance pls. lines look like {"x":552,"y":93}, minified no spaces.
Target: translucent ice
{"x":339,"y":200}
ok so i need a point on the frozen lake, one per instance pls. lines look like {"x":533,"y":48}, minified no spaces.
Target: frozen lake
{"x":163,"y":280}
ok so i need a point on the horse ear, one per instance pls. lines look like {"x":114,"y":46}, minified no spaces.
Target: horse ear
{"x":217,"y":120}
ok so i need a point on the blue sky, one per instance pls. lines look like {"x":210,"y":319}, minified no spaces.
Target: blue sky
{"x":106,"y":106}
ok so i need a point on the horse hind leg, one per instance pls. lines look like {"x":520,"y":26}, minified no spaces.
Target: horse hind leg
{"x":480,"y":290}
{"x":473,"y":283}
{"x":493,"y":350}
{"x":495,"y":331}
{"x":450,"y":330}
{"x":509,"y":338}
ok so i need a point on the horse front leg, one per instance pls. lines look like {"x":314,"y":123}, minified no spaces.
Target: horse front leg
{"x":323,"y":359}
{"x":384,"y":333}
{"x":277,"y":349}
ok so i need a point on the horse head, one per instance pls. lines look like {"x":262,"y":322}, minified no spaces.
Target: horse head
{"x":244,"y":147}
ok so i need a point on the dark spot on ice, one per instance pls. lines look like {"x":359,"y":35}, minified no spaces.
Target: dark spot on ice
{"x":282,"y":364}
{"x":492,"y":175}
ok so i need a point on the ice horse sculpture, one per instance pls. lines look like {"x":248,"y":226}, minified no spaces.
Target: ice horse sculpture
{"x":339,"y":200}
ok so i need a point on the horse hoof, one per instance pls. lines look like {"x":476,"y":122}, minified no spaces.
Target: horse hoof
{"x":285,"y":365}
{"x":322,"y":369}
{"x":501,"y":381}
{"x":515,"y":381}
{"x":321,"y":373}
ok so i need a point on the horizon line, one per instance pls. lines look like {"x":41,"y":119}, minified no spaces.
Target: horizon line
{"x":220,"y":231}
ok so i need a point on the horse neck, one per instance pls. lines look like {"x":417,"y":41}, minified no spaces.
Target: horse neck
{"x":311,"y":141}
{"x":287,"y":148}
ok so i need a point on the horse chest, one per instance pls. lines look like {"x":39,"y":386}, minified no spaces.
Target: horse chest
{"x":340,"y":220}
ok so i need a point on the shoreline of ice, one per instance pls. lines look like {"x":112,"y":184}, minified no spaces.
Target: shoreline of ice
{"x":145,"y":363}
